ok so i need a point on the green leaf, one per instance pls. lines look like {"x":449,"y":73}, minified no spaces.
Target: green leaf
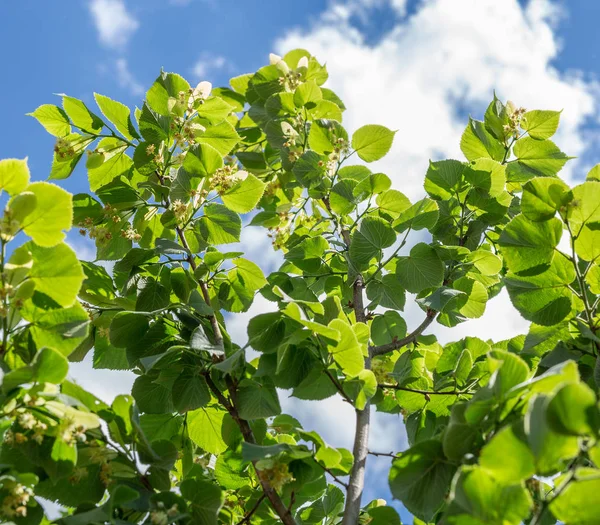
{"x":56,"y":272}
{"x":347,"y":353}
{"x":485,"y":261}
{"x":543,"y":197}
{"x":52,"y":214}
{"x":387,"y":292}
{"x":487,"y":175}
{"x":578,"y":503}
{"x":62,"y":329}
{"x":256,"y":400}
{"x":206,"y":499}
{"x":53,"y":118}
{"x":372,"y":142}
{"x":583,"y":209}
{"x":309,"y":169}
{"x":443,"y":178}
{"x":573,"y":410}
{"x":14,"y":175}
{"x":422,"y":269}
{"x":552,"y":451}
{"x":127,"y":328}
{"x":204,"y":427}
{"x":420,"y":478}
{"x":544,"y":298}
{"x":81,"y":116}
{"x":387,"y":327}
{"x":118,"y":114}
{"x":219,"y":225}
{"x":50,"y":366}
{"x":243,"y":281}
{"x":163,"y":95}
{"x":540,"y":124}
{"x":476,"y":142}
{"x":222,"y":137}
{"x":384,"y":516}
{"x":422,"y":214}
{"x":527,"y":244}
{"x":487,"y":500}
{"x":507,"y":468}
{"x":369,"y":240}
{"x":190,"y":391}
{"x":151,"y":396}
{"x":214,"y":110}
{"x":307,"y":93}
{"x":152,"y":296}
{"x":244,"y":196}
{"x":202,"y":160}
{"x":535,"y":158}
{"x":116,"y":163}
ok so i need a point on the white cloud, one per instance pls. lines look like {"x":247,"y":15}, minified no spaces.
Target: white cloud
{"x":449,"y":51}
{"x":126,"y":79}
{"x":115,"y":25}
{"x":207,"y":64}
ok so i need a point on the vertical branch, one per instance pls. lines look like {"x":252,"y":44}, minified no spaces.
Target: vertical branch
{"x":270,"y":493}
{"x":360,"y":449}
{"x":214,"y":322}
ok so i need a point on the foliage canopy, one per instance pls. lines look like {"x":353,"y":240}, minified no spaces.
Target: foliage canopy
{"x":202,"y":438}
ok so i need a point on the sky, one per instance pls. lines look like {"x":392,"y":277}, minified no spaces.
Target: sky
{"x":420,"y":67}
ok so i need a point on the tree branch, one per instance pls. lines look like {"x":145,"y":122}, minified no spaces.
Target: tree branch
{"x":356,"y":482}
{"x":252,"y":511}
{"x":230,"y":405}
{"x":411,"y":338}
{"x":383,"y":454}
{"x":334,"y":477}
{"x":214,"y":322}
{"x":425,"y":392}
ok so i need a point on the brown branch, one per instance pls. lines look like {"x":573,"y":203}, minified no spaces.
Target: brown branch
{"x":411,"y":338}
{"x":231,"y":406}
{"x":426,"y":392}
{"x":384,"y":454}
{"x":249,"y":514}
{"x":337,"y":385}
{"x":214,"y":322}
{"x":335,"y":478}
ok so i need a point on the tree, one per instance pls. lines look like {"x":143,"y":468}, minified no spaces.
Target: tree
{"x":201,"y":439}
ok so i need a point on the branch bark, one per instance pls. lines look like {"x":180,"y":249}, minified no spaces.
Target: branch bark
{"x":411,"y":338}
{"x":360,"y":449}
{"x":270,"y":493}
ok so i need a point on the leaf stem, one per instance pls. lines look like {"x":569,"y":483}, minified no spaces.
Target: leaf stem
{"x":411,"y":338}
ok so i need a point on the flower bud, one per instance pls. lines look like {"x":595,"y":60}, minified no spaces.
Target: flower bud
{"x":303,"y":62}
{"x":94,"y":160}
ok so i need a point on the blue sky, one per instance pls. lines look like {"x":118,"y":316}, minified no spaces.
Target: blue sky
{"x":416,"y":66}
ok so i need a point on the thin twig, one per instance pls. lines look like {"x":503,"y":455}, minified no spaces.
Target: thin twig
{"x":249,"y":514}
{"x":426,"y":392}
{"x":411,"y":338}
{"x":335,"y":478}
{"x":230,"y":404}
{"x":384,"y":454}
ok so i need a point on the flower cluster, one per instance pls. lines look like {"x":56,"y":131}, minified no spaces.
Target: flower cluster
{"x":131,"y":234}
{"x":14,"y":505}
{"x":515,"y":115}
{"x":163,"y":516}
{"x":179,"y":209}
{"x":279,"y":475}
{"x":291,"y":79}
{"x":64,"y":149}
{"x":226,"y":178}
{"x":9,"y":226}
